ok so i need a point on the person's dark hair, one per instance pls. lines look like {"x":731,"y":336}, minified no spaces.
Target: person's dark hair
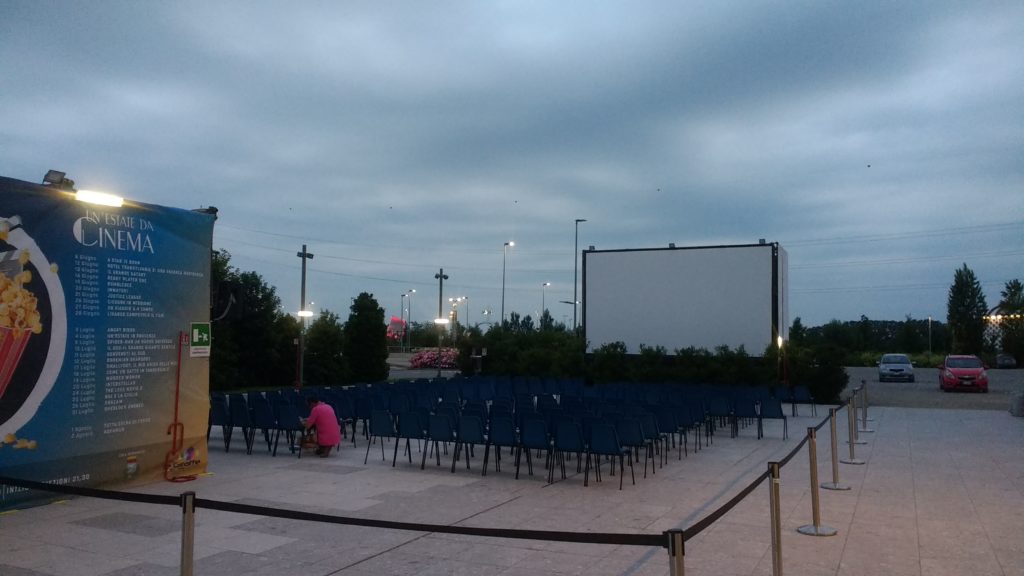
{"x":312,"y":399}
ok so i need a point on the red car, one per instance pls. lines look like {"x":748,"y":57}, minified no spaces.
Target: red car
{"x":963,"y":373}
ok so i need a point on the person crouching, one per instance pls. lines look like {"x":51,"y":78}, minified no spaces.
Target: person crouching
{"x":323,"y":419}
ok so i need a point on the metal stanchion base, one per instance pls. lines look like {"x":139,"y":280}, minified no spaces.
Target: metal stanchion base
{"x":865,"y":431}
{"x":858,"y":442}
{"x":812,"y":530}
{"x":834,"y":486}
{"x":853,"y":461}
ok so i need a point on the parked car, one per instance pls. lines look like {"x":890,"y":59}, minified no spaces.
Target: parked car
{"x":1005,"y":361}
{"x":895,"y":368}
{"x":963,"y":373}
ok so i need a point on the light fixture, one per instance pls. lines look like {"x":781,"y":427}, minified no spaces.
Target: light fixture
{"x":440,"y":321}
{"x":101,"y":198}
{"x":778,"y":340}
{"x":305,"y":313}
{"x":54,"y":177}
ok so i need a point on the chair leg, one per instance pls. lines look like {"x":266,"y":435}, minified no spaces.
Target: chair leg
{"x":487,"y":452}
{"x":519,"y":455}
{"x":369,"y":441}
{"x":586,"y":470}
{"x":423,"y":462}
{"x":394,"y":458}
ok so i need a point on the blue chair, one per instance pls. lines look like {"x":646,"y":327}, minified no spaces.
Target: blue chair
{"x":533,"y":436}
{"x":409,"y":427}
{"x":772,"y":409}
{"x":440,"y":431}
{"x":219,"y":416}
{"x":802,"y":395}
{"x":288,"y":422}
{"x":605,"y":442}
{"x":238,"y":408}
{"x":471,"y":432}
{"x":381,"y":427}
{"x":631,"y":437}
{"x":654,"y":437}
{"x":745,"y":409}
{"x":501,"y":434}
{"x":263,"y":419}
{"x":568,"y":438}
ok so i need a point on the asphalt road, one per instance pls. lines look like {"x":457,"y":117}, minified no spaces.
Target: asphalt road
{"x":924,"y":393}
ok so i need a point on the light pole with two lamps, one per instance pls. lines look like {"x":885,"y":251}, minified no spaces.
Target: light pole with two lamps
{"x":303,"y":314}
{"x":440,"y":320}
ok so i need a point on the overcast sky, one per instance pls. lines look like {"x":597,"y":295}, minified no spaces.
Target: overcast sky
{"x":882,"y":144}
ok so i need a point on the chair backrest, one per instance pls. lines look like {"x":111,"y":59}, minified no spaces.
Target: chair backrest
{"x":772,"y":408}
{"x":502,"y":431}
{"x":649,"y":425}
{"x":630,"y":432}
{"x":381,"y":423}
{"x":238,"y":408}
{"x":604,"y":440}
{"x":263,"y":415}
{"x":745,"y":408}
{"x":568,"y":436}
{"x":441,"y":428}
{"x":535,"y":434}
{"x":288,"y":418}
{"x":471,"y":429}
{"x":410,"y":426}
{"x":219,"y":415}
{"x":802,"y":394}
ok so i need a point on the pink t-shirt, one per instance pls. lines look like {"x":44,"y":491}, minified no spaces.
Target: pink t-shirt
{"x":328,"y":433}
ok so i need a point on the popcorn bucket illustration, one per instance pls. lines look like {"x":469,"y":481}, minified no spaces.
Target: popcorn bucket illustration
{"x":19,"y":318}
{"x":12,"y":345}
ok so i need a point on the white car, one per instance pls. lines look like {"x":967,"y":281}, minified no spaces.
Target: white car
{"x":895,"y":368}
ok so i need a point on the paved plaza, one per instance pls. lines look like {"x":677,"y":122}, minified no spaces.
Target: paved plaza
{"x":942,"y":492}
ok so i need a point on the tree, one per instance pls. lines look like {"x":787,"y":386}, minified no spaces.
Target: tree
{"x":366,"y":340}
{"x":965,"y":313}
{"x":325,"y":361}
{"x":253,"y":345}
{"x":1011,"y":326}
{"x":798,"y":332}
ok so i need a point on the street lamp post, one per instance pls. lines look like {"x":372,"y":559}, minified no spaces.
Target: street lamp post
{"x":929,"y":340}
{"x":575,"y":273}
{"x":441,"y":320}
{"x":543,"y":296}
{"x":303,"y":313}
{"x":504,"y":255}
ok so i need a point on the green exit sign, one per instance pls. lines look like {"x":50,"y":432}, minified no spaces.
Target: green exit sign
{"x":199,"y":340}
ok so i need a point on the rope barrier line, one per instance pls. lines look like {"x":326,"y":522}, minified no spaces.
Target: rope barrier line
{"x":702,"y":524}
{"x":548,"y":535}
{"x":93,"y":492}
{"x":646,"y":540}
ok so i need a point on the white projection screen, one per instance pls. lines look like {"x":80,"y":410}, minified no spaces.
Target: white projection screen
{"x":702,"y":297}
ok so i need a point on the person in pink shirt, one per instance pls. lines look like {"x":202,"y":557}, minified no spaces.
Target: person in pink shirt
{"x":322,"y":417}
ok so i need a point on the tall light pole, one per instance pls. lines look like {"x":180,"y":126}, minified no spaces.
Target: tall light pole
{"x":409,"y":327}
{"x":440,"y":320}
{"x":303,"y":314}
{"x":575,"y":271}
{"x":407,"y":320}
{"x":504,"y":255}
{"x":543,"y":296}
{"x":929,"y":339}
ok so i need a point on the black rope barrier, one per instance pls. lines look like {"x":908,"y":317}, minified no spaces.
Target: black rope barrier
{"x":620,"y":539}
{"x":92,"y":492}
{"x":705,"y":522}
{"x":548,"y":535}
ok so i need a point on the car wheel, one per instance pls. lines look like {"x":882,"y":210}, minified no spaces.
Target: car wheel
{"x":911,"y":379}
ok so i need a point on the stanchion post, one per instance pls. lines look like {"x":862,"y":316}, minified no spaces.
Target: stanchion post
{"x":188,"y":531}
{"x":834,"y":484}
{"x":776,"y":517}
{"x":851,"y":420}
{"x":815,"y":528}
{"x":676,"y":551}
{"x":864,"y":408}
{"x":855,"y":438}
{"x":864,"y":385}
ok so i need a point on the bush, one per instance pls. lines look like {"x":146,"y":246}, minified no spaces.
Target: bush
{"x":427,"y":358}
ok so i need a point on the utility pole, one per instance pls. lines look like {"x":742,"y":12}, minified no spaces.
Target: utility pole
{"x":302,"y":316}
{"x":575,"y":273}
